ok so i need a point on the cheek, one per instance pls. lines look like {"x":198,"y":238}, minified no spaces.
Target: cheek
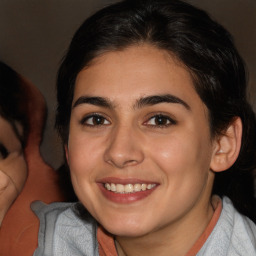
{"x":170,"y":151}
{"x":83,"y":155}
{"x":181,"y":155}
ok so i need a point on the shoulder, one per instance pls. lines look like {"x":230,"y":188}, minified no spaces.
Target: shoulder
{"x":63,"y":232}
{"x":234,"y":234}
{"x":242,"y":227}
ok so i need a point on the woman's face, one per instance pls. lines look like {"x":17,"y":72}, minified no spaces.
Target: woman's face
{"x":13,"y":169}
{"x":139,"y":145}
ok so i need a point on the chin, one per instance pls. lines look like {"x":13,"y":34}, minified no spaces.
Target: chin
{"x":129,"y":228}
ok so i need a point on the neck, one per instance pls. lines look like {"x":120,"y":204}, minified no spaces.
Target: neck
{"x":175,"y":239}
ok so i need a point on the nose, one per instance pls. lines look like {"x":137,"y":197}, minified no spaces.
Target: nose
{"x":124,"y":148}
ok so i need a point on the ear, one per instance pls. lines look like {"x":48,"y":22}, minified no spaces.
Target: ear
{"x":227,"y":147}
{"x":66,"y":152}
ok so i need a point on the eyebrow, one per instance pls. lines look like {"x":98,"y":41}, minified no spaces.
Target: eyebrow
{"x":140,"y":103}
{"x":97,"y":101}
{"x":157,"y":99}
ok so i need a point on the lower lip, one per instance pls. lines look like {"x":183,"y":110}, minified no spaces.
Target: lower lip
{"x":125,"y":198}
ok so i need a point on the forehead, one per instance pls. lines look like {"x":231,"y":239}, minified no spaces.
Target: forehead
{"x":135,"y":72}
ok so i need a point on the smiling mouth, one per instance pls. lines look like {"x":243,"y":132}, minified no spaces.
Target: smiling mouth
{"x":128,"y":188}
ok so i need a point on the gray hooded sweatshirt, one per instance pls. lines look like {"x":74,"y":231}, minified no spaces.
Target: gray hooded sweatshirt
{"x":63,"y":233}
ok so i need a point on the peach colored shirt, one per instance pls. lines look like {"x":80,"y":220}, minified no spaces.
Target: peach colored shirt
{"x":107,"y":244}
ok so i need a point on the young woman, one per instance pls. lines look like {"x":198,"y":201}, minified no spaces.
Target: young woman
{"x":158,"y":135}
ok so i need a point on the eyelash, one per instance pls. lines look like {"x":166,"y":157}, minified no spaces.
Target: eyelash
{"x":166,"y":118}
{"x":102,"y":121}
{"x":93,"y":116}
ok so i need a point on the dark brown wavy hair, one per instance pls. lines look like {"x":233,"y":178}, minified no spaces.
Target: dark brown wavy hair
{"x":207,"y":50}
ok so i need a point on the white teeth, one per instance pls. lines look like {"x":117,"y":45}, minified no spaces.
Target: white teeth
{"x":107,"y":186}
{"x":119,"y":188}
{"x":149,"y":186}
{"x":128,"y":188}
{"x":137,"y":187}
{"x":112,"y":187}
{"x":143,"y":187}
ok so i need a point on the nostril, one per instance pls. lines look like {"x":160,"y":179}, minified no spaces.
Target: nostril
{"x":121,"y":164}
{"x":130,"y":162}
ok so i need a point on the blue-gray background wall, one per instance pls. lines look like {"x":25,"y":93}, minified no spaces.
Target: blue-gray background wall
{"x":34,"y":35}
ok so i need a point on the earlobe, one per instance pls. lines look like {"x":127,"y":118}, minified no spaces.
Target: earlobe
{"x":227,"y":147}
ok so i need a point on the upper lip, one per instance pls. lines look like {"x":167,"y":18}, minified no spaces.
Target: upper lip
{"x":125,"y":181}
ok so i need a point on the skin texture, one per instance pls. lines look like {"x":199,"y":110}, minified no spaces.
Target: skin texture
{"x":123,"y":139}
{"x":13,"y":168}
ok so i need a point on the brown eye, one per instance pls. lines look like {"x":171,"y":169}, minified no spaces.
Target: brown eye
{"x":95,"y":120}
{"x":160,"y":120}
